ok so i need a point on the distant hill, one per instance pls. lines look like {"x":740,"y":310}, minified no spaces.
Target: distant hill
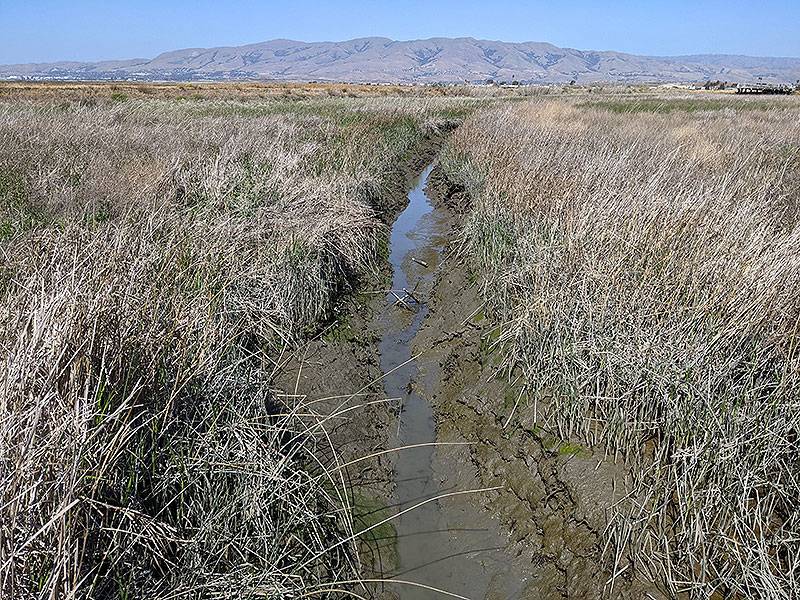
{"x":418,"y":61}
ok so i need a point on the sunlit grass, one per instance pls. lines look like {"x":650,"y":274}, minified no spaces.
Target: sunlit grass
{"x":641,"y":256}
{"x":159,"y":258}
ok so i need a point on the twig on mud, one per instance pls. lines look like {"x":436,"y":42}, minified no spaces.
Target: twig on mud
{"x":516,"y":404}
{"x":379,"y":291}
{"x":411,"y":295}
{"x":401,"y":302}
{"x":473,"y":313}
{"x":419,"y":262}
{"x":400,"y":417}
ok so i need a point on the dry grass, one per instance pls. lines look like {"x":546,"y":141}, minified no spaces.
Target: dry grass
{"x":158,"y":258}
{"x":99,"y":92}
{"x":643,"y":266}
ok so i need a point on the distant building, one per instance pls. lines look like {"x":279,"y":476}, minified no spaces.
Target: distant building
{"x":762,"y":87}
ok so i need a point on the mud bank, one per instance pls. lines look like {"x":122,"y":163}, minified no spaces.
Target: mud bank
{"x":461,"y":551}
{"x":553,"y":494}
{"x":416,"y":359}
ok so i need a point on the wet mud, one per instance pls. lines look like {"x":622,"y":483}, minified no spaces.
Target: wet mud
{"x":414,"y":346}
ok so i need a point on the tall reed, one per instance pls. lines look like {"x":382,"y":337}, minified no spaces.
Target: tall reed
{"x":643,"y":265}
{"x":158,"y":258}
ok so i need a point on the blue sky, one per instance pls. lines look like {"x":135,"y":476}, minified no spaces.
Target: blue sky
{"x":44,"y":30}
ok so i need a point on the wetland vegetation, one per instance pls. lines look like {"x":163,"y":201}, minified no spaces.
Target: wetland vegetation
{"x":166,"y":251}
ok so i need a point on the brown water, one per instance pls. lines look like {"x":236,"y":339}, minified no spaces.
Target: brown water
{"x":460,"y":553}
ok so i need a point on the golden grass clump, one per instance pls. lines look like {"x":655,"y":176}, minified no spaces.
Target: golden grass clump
{"x":157,"y":259}
{"x":643,"y":261}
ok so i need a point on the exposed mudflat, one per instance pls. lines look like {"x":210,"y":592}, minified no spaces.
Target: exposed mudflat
{"x":417,"y":357}
{"x":460,"y":551}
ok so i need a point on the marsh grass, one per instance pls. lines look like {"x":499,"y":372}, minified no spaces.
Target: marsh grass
{"x":159,"y":261}
{"x":643,"y":265}
{"x":681,"y":105}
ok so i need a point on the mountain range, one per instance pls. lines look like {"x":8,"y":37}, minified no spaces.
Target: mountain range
{"x":435,"y":60}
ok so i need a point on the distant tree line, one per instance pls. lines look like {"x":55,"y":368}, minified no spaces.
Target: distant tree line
{"x":718,"y":85}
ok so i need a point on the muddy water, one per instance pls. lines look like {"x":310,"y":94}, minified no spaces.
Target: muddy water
{"x":459,"y":552}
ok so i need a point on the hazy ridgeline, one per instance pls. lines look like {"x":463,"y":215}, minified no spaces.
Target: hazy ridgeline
{"x":157,"y":257}
{"x":643,"y":262}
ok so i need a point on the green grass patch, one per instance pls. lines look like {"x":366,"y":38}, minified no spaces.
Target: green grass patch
{"x":6,"y":229}
{"x":512,"y":397}
{"x":493,"y":236}
{"x":341,"y":331}
{"x":97,"y":216}
{"x":380,"y":542}
{"x":491,"y":351}
{"x":556,"y":445}
{"x":572,"y":449}
{"x":479,"y":317}
{"x":12,"y":187}
{"x":17,"y":213}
